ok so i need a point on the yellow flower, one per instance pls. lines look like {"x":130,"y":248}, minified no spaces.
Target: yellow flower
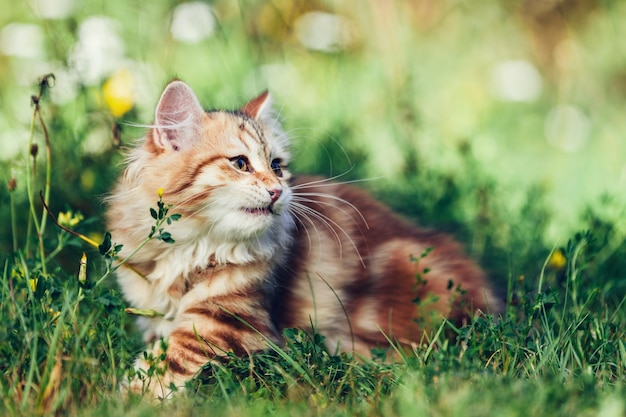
{"x":160,"y":192}
{"x":82,"y":271}
{"x":557,"y":259}
{"x":69,"y":219}
{"x":119,"y":92}
{"x":54,"y":314}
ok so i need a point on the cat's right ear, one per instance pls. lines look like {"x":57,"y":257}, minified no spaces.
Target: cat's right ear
{"x":177,"y":117}
{"x":259,"y":108}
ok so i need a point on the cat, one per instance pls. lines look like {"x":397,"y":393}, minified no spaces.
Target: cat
{"x":258,"y":250}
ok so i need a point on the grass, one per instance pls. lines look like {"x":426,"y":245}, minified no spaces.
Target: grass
{"x":404,"y":102}
{"x":559,"y":349}
{"x":66,"y":347}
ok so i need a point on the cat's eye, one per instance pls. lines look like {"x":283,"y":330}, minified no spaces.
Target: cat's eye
{"x":275,"y":165}
{"x":241,"y":163}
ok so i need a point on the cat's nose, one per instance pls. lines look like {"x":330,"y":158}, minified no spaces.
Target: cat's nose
{"x":275,"y":194}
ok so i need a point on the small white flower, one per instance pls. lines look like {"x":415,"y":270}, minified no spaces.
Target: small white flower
{"x":516,"y":80}
{"x":192,"y":22}
{"x":99,"y":50}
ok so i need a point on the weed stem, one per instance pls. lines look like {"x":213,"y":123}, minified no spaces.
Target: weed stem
{"x":13,"y":222}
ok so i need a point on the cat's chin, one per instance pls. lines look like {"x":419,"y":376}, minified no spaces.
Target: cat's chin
{"x":244,"y":223}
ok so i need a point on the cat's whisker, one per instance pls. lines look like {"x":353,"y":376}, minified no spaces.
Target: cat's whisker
{"x":335,"y":198}
{"x":193,"y":213}
{"x":323,"y":180}
{"x":329,"y":223}
{"x":295,"y":213}
{"x":293,"y":136}
{"x":334,"y":206}
{"x":183,"y":203}
{"x":342,"y":210}
{"x":171,"y":124}
{"x":302,"y":211}
{"x":308,"y":211}
{"x":329,"y":182}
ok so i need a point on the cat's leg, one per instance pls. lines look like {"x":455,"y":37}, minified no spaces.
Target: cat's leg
{"x":202,"y":332}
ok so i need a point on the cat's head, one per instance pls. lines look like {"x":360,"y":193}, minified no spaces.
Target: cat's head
{"x":225,"y":172}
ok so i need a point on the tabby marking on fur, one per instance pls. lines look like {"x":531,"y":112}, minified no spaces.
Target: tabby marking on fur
{"x":258,"y":250}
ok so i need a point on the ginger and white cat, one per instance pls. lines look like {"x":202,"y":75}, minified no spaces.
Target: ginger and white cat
{"x":257,"y":250}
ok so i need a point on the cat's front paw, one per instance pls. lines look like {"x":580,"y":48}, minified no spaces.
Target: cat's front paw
{"x":151,"y":382}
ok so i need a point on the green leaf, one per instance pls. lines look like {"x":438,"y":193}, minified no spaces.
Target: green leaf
{"x":166,"y":237}
{"x":104,"y":247}
{"x":153,"y":213}
{"x":143,"y":312}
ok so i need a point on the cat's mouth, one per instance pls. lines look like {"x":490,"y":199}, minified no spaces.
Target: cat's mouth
{"x":258,"y":211}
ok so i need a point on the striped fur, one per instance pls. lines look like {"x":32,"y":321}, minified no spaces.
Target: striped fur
{"x":257,"y":251}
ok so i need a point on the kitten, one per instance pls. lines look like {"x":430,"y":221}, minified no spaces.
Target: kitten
{"x":257,"y":250}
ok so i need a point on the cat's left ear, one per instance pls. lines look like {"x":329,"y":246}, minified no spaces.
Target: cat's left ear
{"x":177,"y":117}
{"x":259,"y":108}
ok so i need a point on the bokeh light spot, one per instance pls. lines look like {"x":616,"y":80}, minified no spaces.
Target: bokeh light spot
{"x":99,"y":50}
{"x":22,"y":40}
{"x":53,"y":9}
{"x":326,"y":32}
{"x":567,"y":128}
{"x":192,"y":22}
{"x":516,"y":81}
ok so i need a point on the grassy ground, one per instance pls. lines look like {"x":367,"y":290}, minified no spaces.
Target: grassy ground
{"x":530,"y":183}
{"x":66,"y":347}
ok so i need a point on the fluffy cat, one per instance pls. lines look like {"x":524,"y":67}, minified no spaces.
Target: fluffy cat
{"x":257,"y":250}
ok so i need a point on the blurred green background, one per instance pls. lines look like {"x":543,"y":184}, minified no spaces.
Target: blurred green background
{"x":500,"y":121}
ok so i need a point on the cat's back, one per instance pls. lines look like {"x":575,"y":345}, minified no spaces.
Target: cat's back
{"x":358,"y":269}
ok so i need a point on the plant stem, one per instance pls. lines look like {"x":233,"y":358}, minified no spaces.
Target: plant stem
{"x":13,"y":222}
{"x":123,"y":261}
{"x":573,"y":276}
{"x":543,"y":270}
{"x":161,"y":218}
{"x":48,"y":171}
{"x":44,"y":83}
{"x":55,"y":252}
{"x":42,"y":252}
{"x":29,"y":186}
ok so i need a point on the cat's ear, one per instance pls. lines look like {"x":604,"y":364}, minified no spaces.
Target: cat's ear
{"x":177,"y":117}
{"x":259,"y":108}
